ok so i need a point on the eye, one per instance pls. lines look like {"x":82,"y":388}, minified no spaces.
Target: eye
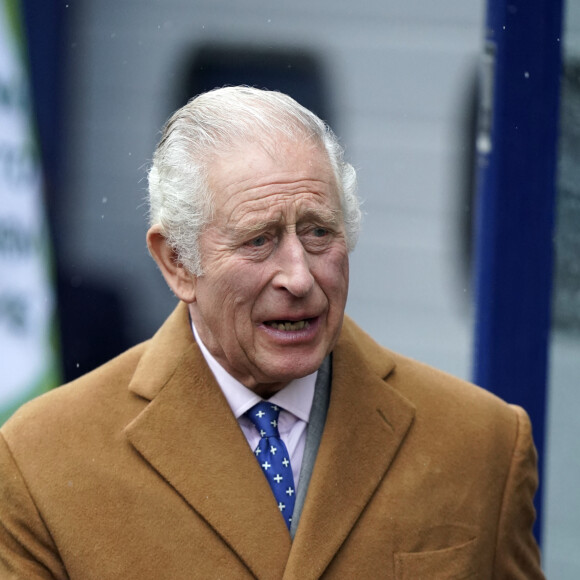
{"x":316,"y":239}
{"x":257,"y":242}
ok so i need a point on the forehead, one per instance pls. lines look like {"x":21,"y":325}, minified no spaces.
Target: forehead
{"x":286,"y":176}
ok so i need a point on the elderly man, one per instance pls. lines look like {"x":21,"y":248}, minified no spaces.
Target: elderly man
{"x":260,"y":433}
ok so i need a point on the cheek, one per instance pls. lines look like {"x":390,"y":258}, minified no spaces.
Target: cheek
{"x":332,"y":273}
{"x":235,"y":288}
{"x":345,"y":269}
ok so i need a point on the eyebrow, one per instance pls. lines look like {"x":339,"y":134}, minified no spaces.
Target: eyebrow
{"x":324,"y":216}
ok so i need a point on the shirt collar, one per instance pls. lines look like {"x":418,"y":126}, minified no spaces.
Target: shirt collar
{"x":296,"y":397}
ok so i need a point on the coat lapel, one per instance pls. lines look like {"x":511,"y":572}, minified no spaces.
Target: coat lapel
{"x":366,"y":424}
{"x":190,"y":437}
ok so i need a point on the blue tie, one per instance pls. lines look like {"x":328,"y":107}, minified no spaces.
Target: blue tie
{"x":273,"y":457}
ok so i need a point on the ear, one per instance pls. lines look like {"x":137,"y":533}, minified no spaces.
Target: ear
{"x":179,"y":279}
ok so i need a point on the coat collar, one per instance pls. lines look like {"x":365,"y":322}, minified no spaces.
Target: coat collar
{"x":189,"y":436}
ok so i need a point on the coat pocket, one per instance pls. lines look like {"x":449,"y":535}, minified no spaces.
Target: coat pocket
{"x":454,"y":563}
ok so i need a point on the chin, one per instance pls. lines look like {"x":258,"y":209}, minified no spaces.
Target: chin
{"x":276,"y":377}
{"x":292,"y":370}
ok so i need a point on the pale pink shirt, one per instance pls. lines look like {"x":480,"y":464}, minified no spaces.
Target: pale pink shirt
{"x":295,"y":399}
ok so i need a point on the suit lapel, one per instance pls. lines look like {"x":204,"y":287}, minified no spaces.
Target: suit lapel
{"x":190,"y":437}
{"x":366,"y":424}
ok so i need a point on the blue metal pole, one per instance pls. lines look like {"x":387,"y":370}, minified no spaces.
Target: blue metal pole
{"x":517,"y":154}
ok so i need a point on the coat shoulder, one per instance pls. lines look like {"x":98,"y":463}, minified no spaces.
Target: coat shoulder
{"x":109,"y":396}
{"x":100,"y":392}
{"x":439,"y":398}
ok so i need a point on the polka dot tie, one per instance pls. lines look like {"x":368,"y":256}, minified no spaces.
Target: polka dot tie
{"x":273,"y":457}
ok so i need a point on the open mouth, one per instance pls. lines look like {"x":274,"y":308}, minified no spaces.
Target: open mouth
{"x":287,"y":325}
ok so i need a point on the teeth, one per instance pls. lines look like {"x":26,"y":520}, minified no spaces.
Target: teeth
{"x":286,"y":326}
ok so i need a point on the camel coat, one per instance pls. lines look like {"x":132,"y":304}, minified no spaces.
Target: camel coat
{"x":139,"y":471}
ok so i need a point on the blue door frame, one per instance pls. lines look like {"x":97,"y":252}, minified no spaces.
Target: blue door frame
{"x":517,"y":159}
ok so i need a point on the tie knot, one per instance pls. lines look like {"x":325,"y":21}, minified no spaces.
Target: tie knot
{"x":264,"y":416}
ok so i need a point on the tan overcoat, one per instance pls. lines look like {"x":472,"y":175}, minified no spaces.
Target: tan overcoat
{"x":139,"y":471}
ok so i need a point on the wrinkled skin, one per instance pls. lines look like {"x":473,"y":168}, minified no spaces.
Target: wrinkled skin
{"x":275,"y":251}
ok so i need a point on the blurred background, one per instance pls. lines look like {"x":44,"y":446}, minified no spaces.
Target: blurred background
{"x":432,"y":102}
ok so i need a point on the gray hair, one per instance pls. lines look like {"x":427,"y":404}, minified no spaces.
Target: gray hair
{"x":180,"y":200}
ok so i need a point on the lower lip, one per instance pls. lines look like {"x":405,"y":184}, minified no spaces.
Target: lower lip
{"x":293,"y":336}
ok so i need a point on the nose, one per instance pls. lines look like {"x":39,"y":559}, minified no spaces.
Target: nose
{"x":293,"y":268}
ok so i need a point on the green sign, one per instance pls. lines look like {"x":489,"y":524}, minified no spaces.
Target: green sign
{"x":28,"y":351}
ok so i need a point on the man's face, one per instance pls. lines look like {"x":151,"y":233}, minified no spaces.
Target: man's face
{"x":269,"y":305}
